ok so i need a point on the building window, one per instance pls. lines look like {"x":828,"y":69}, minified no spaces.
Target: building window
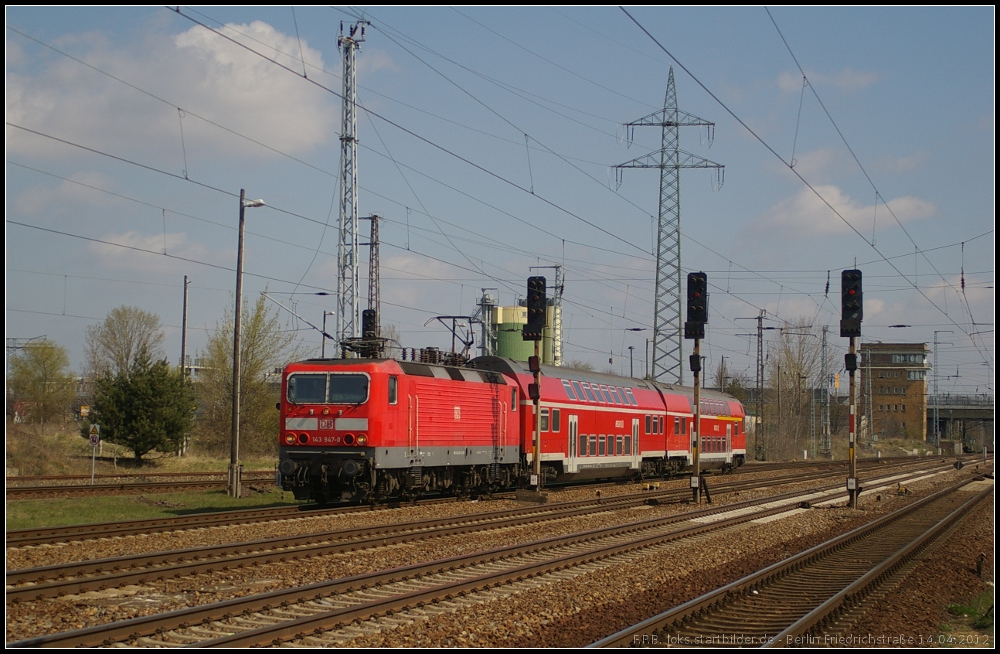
{"x":904,"y":408}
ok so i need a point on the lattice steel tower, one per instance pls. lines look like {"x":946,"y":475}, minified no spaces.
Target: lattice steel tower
{"x":668,"y":335}
{"x":348,"y":323}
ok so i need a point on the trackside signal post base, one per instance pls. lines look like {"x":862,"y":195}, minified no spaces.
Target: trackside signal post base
{"x":532,"y":331}
{"x":694,"y":328}
{"x":851,"y":314}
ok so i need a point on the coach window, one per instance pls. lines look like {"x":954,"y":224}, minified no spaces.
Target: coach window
{"x":555,"y":421}
{"x":614,"y":394}
{"x":631,"y":398}
{"x":602,"y":445}
{"x":545,"y":420}
{"x":569,"y":389}
{"x":593,"y":445}
{"x":649,"y":424}
{"x":619,"y":444}
{"x":628,"y":444}
{"x":393,"y":382}
{"x":590,"y":395}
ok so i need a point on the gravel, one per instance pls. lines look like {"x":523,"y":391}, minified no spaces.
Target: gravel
{"x":573,"y":610}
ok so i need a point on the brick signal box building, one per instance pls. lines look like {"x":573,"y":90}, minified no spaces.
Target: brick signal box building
{"x":894,"y":389}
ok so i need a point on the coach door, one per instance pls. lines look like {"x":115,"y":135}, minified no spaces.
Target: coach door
{"x":571,"y":450}
{"x":636,"y":459}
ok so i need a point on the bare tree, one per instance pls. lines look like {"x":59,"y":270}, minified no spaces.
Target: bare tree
{"x":393,"y":346}
{"x":113,"y":346}
{"x":39,"y":385}
{"x":266,"y":347}
{"x":794,"y":363}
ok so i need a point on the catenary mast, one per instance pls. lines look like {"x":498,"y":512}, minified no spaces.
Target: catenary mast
{"x":348,"y":325}
{"x":667,"y":332}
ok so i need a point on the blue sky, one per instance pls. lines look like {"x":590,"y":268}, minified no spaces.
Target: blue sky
{"x":488,"y":138}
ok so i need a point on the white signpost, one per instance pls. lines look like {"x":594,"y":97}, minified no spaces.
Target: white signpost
{"x":95,"y":441}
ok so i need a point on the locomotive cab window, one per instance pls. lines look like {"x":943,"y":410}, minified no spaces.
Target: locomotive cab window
{"x":348,"y":389}
{"x":307,"y":389}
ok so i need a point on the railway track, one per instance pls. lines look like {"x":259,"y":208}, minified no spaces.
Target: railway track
{"x":344,"y":601}
{"x":798,"y":602}
{"x":80,"y":486}
{"x":53,"y":535}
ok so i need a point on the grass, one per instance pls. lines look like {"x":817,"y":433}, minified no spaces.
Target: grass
{"x":971,"y":624}
{"x":31,"y":514}
{"x":59,"y":450}
{"x":977,"y":612}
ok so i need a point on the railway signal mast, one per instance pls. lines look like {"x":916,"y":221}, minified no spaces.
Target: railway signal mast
{"x":851,"y":313}
{"x":532,"y":331}
{"x":694,"y":328}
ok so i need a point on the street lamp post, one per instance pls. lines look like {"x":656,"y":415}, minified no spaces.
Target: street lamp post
{"x":631,"y":368}
{"x":235,"y":482}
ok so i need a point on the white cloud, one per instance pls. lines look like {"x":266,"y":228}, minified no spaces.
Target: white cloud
{"x":901,"y":164}
{"x":67,"y":196}
{"x":198,"y":70}
{"x":132,"y":251}
{"x":818,"y":163}
{"x":847,"y":80}
{"x":807,"y":214}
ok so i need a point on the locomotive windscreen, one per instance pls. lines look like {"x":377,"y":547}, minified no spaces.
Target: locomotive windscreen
{"x":312,"y":388}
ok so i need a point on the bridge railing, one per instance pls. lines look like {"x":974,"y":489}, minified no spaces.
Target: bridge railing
{"x":953,"y":399}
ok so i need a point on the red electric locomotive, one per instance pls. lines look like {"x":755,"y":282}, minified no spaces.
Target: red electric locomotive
{"x":371,"y":429}
{"x":359,"y":429}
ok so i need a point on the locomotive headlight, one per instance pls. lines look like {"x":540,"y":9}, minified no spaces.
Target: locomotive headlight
{"x":362,"y":439}
{"x":326,"y":411}
{"x":289,"y":438}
